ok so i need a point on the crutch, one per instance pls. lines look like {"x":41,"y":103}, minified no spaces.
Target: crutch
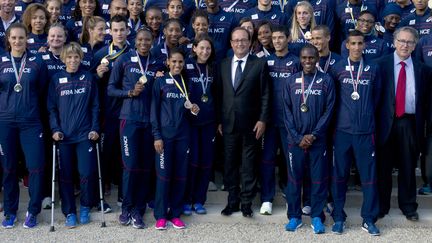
{"x":100,"y":186}
{"x":54,"y":149}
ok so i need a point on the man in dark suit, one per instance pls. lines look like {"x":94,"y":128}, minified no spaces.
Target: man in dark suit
{"x":244,"y":95}
{"x":400,"y":121}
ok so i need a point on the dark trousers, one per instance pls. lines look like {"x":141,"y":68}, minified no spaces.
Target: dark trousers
{"x":241,"y":162}
{"x":171,"y":174}
{"x":274,"y":138}
{"x":361,"y":148}
{"x":314,"y":161}
{"x":200,"y":162}
{"x":85,"y":154}
{"x":401,"y":151}
{"x":138,"y":161}
{"x":111,"y":154}
{"x":32,"y":143}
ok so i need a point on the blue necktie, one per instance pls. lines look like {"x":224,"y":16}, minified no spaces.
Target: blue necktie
{"x":238,"y":74}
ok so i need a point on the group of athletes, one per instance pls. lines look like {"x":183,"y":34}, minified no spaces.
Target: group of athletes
{"x":140,"y":78}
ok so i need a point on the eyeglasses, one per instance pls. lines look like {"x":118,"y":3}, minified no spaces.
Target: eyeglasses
{"x":365,"y":21}
{"x":243,"y":41}
{"x":405,"y":42}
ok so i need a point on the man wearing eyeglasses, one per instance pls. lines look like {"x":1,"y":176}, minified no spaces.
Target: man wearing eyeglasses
{"x":400,"y":121}
{"x":374,"y":47}
{"x":243,"y":105}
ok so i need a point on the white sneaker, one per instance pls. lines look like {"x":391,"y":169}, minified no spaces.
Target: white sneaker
{"x":46,"y":203}
{"x":266,"y":208}
{"x":306,"y":210}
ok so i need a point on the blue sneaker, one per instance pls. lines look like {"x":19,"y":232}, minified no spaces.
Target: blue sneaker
{"x":9,"y":221}
{"x":338,"y":227}
{"x":317,"y":226}
{"x":84,"y":215}
{"x":124,"y":218}
{"x":425,"y":190}
{"x":293,"y":224}
{"x":137,"y":221}
{"x":199,"y":208}
{"x":187,"y":209}
{"x":30,"y":221}
{"x":370,"y":228}
{"x":71,"y":221}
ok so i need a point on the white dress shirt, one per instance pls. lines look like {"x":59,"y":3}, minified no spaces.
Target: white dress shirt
{"x":234,"y":66}
{"x":410,"y":93}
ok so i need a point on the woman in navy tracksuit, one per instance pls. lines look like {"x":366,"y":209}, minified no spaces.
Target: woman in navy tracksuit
{"x":73,"y":106}
{"x":169,"y":117}
{"x":36,"y":18}
{"x":201,"y":79}
{"x":22,"y":90}
{"x":132,"y":79}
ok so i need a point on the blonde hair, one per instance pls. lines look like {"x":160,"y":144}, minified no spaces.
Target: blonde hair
{"x":295,"y":26}
{"x":71,"y":48}
{"x":89,"y":23}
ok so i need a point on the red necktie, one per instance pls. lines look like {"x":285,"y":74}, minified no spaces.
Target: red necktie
{"x":400,"y":91}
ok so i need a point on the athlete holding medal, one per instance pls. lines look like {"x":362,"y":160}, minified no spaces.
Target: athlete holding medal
{"x":132,"y":80}
{"x":171,"y":132}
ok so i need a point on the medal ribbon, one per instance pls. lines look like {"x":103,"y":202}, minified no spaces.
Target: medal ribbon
{"x":327,"y":64}
{"x":204,"y":86}
{"x":359,"y":72}
{"x":143,"y":71}
{"x":232,"y":6}
{"x":183,"y":91}
{"x":111,"y":55}
{"x":21,"y":69}
{"x":305,"y":96}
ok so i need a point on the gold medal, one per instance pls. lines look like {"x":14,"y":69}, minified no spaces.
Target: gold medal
{"x":204,"y":98}
{"x":142,"y":80}
{"x":18,"y":88}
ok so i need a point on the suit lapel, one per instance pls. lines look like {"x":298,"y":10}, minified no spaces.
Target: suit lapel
{"x":417,"y":80}
{"x":391,"y":78}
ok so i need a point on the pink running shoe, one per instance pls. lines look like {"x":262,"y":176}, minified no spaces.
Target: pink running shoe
{"x":161,"y":224}
{"x":178,"y":223}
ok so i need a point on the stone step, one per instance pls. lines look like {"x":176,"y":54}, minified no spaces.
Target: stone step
{"x":217,"y":200}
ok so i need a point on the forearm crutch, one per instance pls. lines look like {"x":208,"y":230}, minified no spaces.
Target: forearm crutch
{"x":54,"y":150}
{"x":100,"y":186}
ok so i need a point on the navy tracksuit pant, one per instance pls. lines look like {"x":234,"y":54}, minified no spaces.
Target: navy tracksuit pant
{"x":299,"y":161}
{"x":111,"y":154}
{"x":361,"y":149}
{"x":274,"y":138}
{"x":171,"y":174}
{"x":138,"y":161}
{"x":30,"y":134}
{"x":201,"y":157}
{"x":84,"y":153}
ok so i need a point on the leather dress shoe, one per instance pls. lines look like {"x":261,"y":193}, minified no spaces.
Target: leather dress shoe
{"x":230,"y":209}
{"x":412,"y":216}
{"x":247,"y":210}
